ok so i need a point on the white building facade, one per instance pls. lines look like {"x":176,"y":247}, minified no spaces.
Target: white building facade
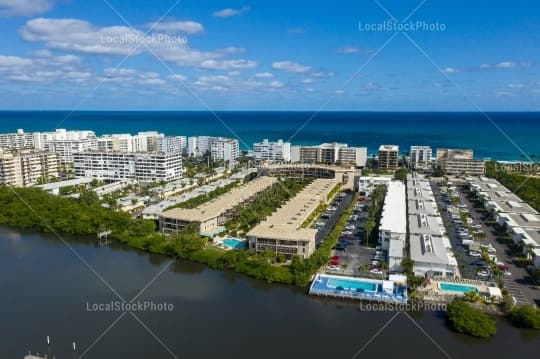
{"x":272,"y":151}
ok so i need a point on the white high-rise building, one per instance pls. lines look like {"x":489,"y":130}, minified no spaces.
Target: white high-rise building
{"x":65,"y":143}
{"x":225,"y":149}
{"x":114,"y":166}
{"x":16,"y":141}
{"x":173,"y":144}
{"x":420,"y":154}
{"x":272,"y":151}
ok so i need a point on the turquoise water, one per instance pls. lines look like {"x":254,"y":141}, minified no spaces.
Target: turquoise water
{"x":448,"y":287}
{"x":371,"y":129}
{"x":350,"y":284}
{"x":234,"y":243}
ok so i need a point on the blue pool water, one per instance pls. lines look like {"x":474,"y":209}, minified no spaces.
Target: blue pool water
{"x":352,"y":285}
{"x":448,"y":287}
{"x":234,"y":243}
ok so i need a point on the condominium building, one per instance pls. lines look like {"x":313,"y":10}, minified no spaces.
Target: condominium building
{"x":114,"y":166}
{"x":212,"y":216}
{"x":65,"y":143}
{"x":330,"y":153}
{"x":393,"y":224}
{"x":430,"y":249}
{"x":173,"y":144}
{"x":226,"y":150}
{"x":27,"y":168}
{"x":284,"y":232}
{"x":388,"y":157}
{"x":198,"y":146}
{"x":459,"y":162}
{"x":454,"y":153}
{"x":420,"y":155}
{"x":272,"y":151}
{"x":16,"y":141}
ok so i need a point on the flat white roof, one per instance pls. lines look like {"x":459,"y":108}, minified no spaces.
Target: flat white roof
{"x":430,"y":249}
{"x":394,"y":215}
{"x":61,"y":184}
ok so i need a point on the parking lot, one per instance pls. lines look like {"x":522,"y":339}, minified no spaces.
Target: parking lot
{"x":329,"y":218}
{"x":351,"y":256}
{"x":462,"y":232}
{"x":516,"y":279}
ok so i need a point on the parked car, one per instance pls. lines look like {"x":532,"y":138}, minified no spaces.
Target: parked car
{"x":475,"y":254}
{"x":483,"y":273}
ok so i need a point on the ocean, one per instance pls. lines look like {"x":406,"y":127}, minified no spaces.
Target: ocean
{"x":502,"y":138}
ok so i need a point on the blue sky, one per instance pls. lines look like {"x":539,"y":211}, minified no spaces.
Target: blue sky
{"x":269,"y":55}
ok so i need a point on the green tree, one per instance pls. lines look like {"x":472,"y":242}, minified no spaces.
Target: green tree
{"x":468,"y":320}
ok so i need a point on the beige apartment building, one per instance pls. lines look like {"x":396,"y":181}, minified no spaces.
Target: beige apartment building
{"x":388,"y":157}
{"x":459,"y":162}
{"x":27,"y":168}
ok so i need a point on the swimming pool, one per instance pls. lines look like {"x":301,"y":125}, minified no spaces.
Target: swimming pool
{"x":449,"y":287}
{"x":235,"y":243}
{"x":352,"y":284}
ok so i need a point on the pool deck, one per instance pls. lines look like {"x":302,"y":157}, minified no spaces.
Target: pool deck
{"x":319,"y":287}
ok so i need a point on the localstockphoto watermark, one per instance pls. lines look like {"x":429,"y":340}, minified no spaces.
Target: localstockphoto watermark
{"x":119,"y":306}
{"x":408,"y":26}
{"x":402,"y":307}
{"x":142,"y":39}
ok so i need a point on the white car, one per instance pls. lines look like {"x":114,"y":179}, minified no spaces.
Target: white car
{"x":483,"y":273}
{"x":475,"y":254}
{"x":375,"y":271}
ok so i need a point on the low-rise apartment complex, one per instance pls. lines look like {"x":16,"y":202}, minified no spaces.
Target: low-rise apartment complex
{"x":212,"y":215}
{"x":283,"y":232}
{"x":430,"y":248}
{"x":393,"y":225}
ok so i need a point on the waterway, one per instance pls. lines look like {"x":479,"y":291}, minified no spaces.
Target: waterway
{"x":47,"y":290}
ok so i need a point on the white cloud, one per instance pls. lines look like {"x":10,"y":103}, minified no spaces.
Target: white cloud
{"x":515,"y":86}
{"x":187,"y":27}
{"x":45,"y":67}
{"x":177,"y":77}
{"x":228,"y":64}
{"x":348,"y":50}
{"x":449,"y":70}
{"x":506,"y":65}
{"x":231,"y":12}
{"x":276,"y":84}
{"x":307,"y":81}
{"x":24,"y":7}
{"x":338,"y":92}
{"x":14,"y":62}
{"x":264,"y":75}
{"x":321,"y":74}
{"x":289,"y":66}
{"x":81,"y":36}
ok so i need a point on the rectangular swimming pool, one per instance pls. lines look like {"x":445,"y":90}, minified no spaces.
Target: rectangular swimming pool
{"x":449,"y":287}
{"x":352,"y":284}
{"x":235,"y":243}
